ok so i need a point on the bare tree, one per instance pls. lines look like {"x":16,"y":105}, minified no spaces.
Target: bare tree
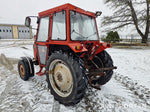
{"x":129,"y":12}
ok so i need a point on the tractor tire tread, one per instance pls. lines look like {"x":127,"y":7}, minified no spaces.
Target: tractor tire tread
{"x":80,"y":82}
{"x":107,"y":61}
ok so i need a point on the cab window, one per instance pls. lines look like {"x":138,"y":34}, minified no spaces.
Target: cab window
{"x":43,"y":29}
{"x":59,"y":26}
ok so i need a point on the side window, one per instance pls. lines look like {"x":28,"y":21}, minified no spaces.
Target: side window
{"x":43,"y":29}
{"x":42,"y":53}
{"x":59,"y":26}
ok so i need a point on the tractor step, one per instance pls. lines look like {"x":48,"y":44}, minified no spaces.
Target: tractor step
{"x":40,"y":73}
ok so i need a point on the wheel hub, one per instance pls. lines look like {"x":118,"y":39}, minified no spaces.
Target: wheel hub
{"x":22,"y":71}
{"x":59,"y":77}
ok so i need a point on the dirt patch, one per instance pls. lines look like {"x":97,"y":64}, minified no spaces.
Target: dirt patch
{"x":5,"y":62}
{"x":24,"y":47}
{"x":8,"y":63}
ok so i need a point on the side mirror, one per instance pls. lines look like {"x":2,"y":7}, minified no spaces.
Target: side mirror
{"x":28,"y":21}
{"x":98,"y":13}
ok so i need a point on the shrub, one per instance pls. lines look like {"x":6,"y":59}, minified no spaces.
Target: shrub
{"x":112,"y":37}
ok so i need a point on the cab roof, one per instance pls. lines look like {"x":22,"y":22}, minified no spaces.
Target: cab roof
{"x":65,"y":7}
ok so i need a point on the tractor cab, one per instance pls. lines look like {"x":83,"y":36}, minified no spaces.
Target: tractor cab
{"x":66,"y":27}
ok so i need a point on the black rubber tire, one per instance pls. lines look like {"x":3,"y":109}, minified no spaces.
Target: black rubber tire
{"x":106,"y":62}
{"x":25,"y":64}
{"x":32,"y":67}
{"x":26,"y":75}
{"x":77,"y":69}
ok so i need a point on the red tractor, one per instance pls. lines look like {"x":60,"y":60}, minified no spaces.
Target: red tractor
{"x":68,"y":51}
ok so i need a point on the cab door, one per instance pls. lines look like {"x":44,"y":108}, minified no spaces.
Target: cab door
{"x":42,"y":36}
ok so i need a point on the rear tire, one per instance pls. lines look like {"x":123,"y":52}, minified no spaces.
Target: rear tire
{"x":66,"y":78}
{"x":105,"y":61}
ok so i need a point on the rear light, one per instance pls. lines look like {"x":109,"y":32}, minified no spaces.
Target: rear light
{"x":79,"y":47}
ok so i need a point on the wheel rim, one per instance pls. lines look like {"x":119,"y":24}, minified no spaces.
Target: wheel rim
{"x":22,"y":71}
{"x":61,"y":78}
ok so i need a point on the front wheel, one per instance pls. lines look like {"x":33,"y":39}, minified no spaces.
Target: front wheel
{"x":66,"y":78}
{"x":25,"y":68}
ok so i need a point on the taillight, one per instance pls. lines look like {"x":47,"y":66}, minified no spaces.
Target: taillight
{"x":79,"y":47}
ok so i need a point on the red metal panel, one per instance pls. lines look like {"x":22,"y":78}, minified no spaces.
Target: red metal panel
{"x":51,"y":23}
{"x":64,"y":7}
{"x":68,"y":25}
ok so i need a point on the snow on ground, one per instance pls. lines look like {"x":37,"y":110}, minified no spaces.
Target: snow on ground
{"x":134,"y":63}
{"x":127,"y":91}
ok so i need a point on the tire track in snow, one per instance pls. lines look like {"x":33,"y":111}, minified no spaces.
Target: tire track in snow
{"x":43,"y":85}
{"x":56,"y":106}
{"x":10,"y":98}
{"x":25,"y":100}
{"x":139,"y":90}
{"x":95,"y":101}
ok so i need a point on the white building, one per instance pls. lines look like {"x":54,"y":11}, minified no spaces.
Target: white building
{"x":8,"y":31}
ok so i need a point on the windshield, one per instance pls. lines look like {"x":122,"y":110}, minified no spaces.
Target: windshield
{"x":82,"y":27}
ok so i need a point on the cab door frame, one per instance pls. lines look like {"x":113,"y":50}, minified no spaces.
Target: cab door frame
{"x":41,"y":53}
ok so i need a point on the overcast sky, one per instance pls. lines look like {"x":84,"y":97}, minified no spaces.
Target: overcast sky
{"x":15,"y":11}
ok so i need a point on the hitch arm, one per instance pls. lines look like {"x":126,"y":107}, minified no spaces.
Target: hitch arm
{"x":102,"y":69}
